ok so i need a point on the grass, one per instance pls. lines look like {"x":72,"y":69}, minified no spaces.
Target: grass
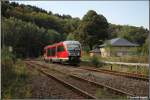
{"x":131,"y":69}
{"x":106,"y":94}
{"x":14,"y":78}
{"x":15,"y":81}
{"x":85,"y":56}
{"x":128,"y":59}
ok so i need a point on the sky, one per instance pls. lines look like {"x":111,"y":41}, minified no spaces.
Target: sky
{"x":135,"y":13}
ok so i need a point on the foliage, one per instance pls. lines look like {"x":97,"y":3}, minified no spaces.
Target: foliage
{"x":145,"y":47}
{"x":85,"y":55}
{"x":28,"y":29}
{"x":31,"y":14}
{"x":108,"y":46}
{"x":70,"y":25}
{"x":53,"y":36}
{"x":86,"y":49}
{"x":27,"y":39}
{"x":71,"y":37}
{"x":14,"y":77}
{"x":128,"y":59}
{"x":63,"y":24}
{"x":95,"y":61}
{"x":131,"y":33}
{"x":93,"y":28}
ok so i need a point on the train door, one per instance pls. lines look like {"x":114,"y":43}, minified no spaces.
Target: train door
{"x":54,"y":54}
{"x":49,"y":52}
{"x":44,"y":54}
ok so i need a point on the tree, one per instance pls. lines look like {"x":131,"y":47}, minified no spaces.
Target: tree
{"x":70,"y":25}
{"x":32,"y":14}
{"x":131,"y":33}
{"x":53,"y":36}
{"x":71,"y":37}
{"x":93,"y":28}
{"x":27,"y":39}
{"x":145,"y":47}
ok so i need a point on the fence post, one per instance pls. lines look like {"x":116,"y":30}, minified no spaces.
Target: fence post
{"x":111,"y":67}
{"x":136,"y":68}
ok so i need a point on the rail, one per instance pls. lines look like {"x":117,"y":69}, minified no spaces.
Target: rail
{"x":83,"y":93}
{"x":123,"y":63}
{"x":117,"y":73}
{"x":116,"y":91}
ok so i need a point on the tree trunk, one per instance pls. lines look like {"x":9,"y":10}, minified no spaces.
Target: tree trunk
{"x":91,"y":47}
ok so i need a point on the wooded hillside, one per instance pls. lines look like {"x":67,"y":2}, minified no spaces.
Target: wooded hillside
{"x":28,"y":29}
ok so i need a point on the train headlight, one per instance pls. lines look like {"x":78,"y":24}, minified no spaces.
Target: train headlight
{"x":69,"y":53}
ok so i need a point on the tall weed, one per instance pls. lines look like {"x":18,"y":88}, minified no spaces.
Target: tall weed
{"x":14,"y":77}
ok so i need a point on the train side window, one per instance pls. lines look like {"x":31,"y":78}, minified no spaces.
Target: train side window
{"x":60,"y":48}
{"x":49,"y":52}
{"x":53,"y":51}
{"x":44,"y":51}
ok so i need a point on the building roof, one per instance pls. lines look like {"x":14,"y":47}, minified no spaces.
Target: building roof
{"x":119,"y":42}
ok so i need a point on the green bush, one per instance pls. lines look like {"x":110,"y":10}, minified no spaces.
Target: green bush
{"x":86,"y":49}
{"x":95,"y":61}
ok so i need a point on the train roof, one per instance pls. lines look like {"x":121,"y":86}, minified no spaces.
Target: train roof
{"x":71,"y":42}
{"x":65,"y":42}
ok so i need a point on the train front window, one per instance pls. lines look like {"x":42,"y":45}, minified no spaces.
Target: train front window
{"x":71,"y":47}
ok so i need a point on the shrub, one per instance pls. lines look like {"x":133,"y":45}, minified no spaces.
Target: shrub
{"x":86,"y":49}
{"x":95,"y":61}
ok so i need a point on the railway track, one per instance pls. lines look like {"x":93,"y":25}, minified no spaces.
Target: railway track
{"x":44,"y":87}
{"x":79,"y":91}
{"x":117,"y":73}
{"x":108,"y":88}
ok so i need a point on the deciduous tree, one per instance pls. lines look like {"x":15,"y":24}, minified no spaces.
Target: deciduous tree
{"x":93,"y":27}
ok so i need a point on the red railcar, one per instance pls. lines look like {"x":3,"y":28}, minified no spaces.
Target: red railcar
{"x":67,"y":51}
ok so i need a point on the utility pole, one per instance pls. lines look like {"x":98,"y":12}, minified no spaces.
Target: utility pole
{"x":149,"y":62}
{"x":10,"y":48}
